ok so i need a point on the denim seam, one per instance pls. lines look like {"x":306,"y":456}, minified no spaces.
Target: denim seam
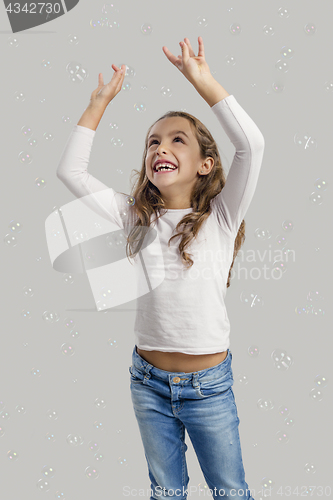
{"x":183,"y":454}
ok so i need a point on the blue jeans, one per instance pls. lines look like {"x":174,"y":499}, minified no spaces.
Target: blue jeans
{"x":203,"y":402}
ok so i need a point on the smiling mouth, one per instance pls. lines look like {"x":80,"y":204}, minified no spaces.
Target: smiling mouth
{"x":165,"y":171}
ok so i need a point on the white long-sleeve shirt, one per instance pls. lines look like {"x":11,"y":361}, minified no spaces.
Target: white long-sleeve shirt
{"x":186,"y":312}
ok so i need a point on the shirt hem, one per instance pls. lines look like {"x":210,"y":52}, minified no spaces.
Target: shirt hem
{"x":184,"y":351}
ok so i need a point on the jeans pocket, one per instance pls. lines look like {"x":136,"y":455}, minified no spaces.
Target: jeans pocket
{"x":136,"y":375}
{"x":217,"y":386}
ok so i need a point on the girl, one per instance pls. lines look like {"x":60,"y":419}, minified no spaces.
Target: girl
{"x":181,"y":375}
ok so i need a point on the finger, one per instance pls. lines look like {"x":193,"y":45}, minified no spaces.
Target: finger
{"x":117,"y":69}
{"x":169,"y":55}
{"x":189,"y":47}
{"x":201,"y":47}
{"x":100,"y":79}
{"x":185,"y":51}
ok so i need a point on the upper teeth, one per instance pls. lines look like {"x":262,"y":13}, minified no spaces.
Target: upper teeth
{"x":167,"y":165}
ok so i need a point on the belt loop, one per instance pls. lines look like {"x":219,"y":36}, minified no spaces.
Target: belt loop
{"x":147,"y":370}
{"x":195,"y":382}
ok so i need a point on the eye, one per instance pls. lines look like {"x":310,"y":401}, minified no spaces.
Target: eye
{"x":155,"y":140}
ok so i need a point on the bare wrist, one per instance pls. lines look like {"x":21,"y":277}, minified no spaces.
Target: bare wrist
{"x":97,"y":104}
{"x":92,"y":115}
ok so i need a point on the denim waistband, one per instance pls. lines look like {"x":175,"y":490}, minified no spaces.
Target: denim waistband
{"x":207,"y":374}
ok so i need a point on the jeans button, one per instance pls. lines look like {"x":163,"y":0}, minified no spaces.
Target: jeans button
{"x":176,"y":380}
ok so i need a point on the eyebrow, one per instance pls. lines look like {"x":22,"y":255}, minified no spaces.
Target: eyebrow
{"x":171,"y":133}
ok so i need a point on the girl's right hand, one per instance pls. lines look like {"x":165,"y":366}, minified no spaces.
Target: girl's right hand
{"x":105,"y":93}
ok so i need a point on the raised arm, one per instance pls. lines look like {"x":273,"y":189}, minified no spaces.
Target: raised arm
{"x":232,"y":203}
{"x":73,"y":166}
{"x":73,"y":172}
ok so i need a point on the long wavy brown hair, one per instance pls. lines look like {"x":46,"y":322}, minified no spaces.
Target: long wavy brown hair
{"x":148,"y":198}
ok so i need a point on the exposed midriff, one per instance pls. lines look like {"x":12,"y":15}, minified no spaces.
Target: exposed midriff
{"x":181,"y":362}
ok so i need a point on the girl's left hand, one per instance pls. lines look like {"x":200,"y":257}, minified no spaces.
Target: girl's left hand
{"x":195,"y":69}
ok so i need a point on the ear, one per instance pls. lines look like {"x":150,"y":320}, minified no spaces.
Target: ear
{"x":209,"y":164}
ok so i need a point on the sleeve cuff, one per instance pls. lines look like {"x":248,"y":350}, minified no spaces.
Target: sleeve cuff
{"x":224,"y":102}
{"x":84,"y":130}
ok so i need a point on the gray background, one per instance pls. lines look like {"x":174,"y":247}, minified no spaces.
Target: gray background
{"x":103,"y":342}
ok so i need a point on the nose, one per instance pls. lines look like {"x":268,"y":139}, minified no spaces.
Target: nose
{"x":159,"y":153}
{"x":160,"y":148}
